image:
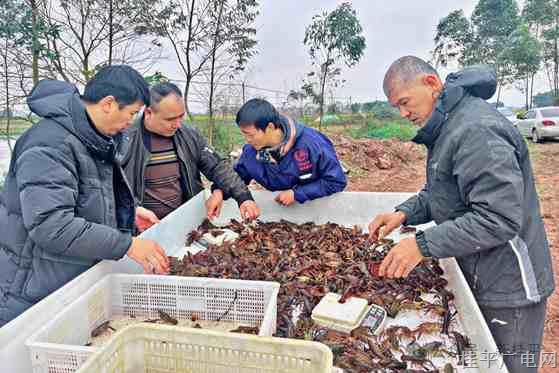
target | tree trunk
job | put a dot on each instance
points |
(322, 88)
(556, 61)
(86, 72)
(527, 93)
(532, 90)
(110, 32)
(212, 74)
(185, 97)
(7, 83)
(499, 86)
(35, 42)
(188, 63)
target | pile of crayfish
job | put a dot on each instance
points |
(309, 261)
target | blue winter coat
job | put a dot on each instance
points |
(311, 167)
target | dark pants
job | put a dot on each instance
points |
(518, 333)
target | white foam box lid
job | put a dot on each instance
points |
(343, 317)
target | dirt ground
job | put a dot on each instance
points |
(546, 168)
(393, 166)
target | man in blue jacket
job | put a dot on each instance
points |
(282, 155)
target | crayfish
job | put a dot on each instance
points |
(310, 260)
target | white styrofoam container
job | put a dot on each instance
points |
(346, 208)
(162, 349)
(349, 315)
(341, 317)
(59, 346)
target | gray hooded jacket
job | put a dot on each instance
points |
(480, 191)
(65, 202)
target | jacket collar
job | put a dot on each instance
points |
(448, 100)
(104, 147)
(291, 133)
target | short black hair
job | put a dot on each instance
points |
(404, 70)
(161, 90)
(259, 112)
(122, 82)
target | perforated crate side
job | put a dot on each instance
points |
(162, 349)
(53, 360)
(142, 296)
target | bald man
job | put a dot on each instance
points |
(480, 191)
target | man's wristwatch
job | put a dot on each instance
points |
(422, 243)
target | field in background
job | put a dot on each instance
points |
(228, 137)
(17, 127)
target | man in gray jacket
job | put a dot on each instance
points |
(480, 191)
(66, 203)
(165, 160)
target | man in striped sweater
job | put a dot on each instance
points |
(166, 157)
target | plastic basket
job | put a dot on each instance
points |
(164, 349)
(59, 347)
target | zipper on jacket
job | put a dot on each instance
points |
(186, 176)
(476, 275)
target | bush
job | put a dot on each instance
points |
(520, 112)
(385, 113)
(380, 110)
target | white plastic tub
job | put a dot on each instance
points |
(59, 347)
(163, 349)
(348, 209)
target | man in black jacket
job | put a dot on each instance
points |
(66, 203)
(480, 191)
(165, 159)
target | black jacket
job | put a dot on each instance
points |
(66, 203)
(195, 157)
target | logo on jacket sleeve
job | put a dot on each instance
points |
(301, 157)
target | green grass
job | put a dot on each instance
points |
(227, 136)
(378, 129)
(17, 127)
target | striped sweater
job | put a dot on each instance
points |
(163, 192)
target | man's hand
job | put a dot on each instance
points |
(383, 224)
(249, 210)
(149, 255)
(145, 218)
(286, 198)
(401, 259)
(214, 204)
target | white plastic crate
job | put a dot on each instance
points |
(163, 349)
(59, 346)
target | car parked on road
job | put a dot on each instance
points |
(507, 113)
(539, 123)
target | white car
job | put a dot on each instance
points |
(539, 123)
(507, 113)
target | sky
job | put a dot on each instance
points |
(391, 28)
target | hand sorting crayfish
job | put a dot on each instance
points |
(311, 260)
